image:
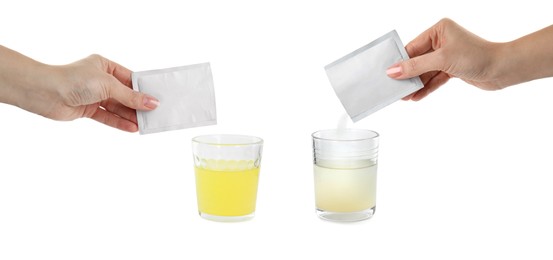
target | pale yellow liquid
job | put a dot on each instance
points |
(345, 190)
(227, 191)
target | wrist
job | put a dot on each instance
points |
(30, 86)
(501, 65)
(39, 89)
(525, 59)
(510, 65)
(20, 76)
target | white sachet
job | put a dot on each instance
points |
(185, 94)
(360, 81)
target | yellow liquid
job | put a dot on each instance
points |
(226, 192)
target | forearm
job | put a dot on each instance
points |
(22, 79)
(527, 58)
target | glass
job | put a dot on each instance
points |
(227, 174)
(344, 165)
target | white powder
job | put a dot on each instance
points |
(343, 122)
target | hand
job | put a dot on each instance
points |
(100, 89)
(447, 50)
(93, 87)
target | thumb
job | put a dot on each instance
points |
(131, 98)
(415, 66)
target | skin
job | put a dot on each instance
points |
(447, 50)
(98, 88)
(93, 87)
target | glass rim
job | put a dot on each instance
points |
(371, 134)
(217, 139)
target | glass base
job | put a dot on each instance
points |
(226, 218)
(346, 216)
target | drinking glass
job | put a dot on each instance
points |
(345, 165)
(227, 174)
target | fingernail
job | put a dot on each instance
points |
(150, 102)
(394, 71)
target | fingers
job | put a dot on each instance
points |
(422, 43)
(112, 120)
(426, 57)
(429, 40)
(130, 98)
(120, 87)
(408, 97)
(416, 66)
(119, 72)
(433, 83)
(425, 78)
(120, 110)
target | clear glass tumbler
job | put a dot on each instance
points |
(345, 165)
(227, 174)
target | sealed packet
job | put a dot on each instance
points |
(360, 80)
(186, 96)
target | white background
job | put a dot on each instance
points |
(463, 174)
